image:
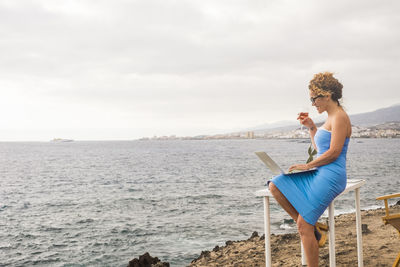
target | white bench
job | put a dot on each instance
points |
(351, 185)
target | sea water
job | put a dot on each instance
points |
(104, 203)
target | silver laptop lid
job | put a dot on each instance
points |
(275, 169)
(270, 163)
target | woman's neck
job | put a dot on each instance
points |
(332, 108)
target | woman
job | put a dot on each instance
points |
(305, 196)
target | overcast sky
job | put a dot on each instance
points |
(126, 69)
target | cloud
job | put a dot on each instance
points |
(189, 65)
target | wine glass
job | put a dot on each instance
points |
(303, 114)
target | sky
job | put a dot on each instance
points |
(125, 69)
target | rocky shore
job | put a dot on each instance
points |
(146, 260)
(381, 244)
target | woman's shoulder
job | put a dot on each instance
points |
(341, 115)
(342, 119)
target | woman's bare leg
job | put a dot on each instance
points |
(306, 230)
(309, 241)
(282, 200)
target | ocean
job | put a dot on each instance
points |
(105, 203)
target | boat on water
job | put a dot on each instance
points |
(61, 140)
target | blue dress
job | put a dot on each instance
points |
(310, 193)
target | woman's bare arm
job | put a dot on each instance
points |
(313, 131)
(309, 123)
(338, 137)
(339, 131)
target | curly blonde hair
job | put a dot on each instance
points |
(325, 84)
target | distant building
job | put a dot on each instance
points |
(249, 135)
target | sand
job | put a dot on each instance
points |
(381, 244)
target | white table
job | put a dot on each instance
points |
(351, 185)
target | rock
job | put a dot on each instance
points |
(364, 229)
(216, 249)
(228, 242)
(146, 260)
(287, 237)
(204, 253)
(288, 221)
(254, 234)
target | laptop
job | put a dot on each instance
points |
(275, 169)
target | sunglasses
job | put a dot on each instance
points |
(312, 99)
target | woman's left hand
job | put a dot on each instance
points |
(300, 167)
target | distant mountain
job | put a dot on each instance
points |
(379, 116)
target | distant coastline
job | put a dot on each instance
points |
(385, 130)
(381, 123)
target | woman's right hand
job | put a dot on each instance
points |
(305, 120)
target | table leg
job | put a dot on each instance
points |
(267, 232)
(332, 253)
(359, 230)
(303, 254)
